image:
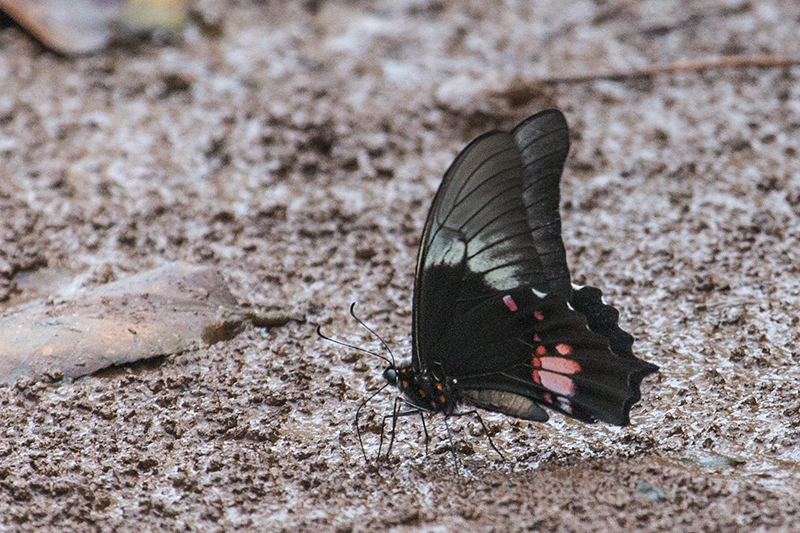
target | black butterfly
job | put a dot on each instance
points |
(496, 322)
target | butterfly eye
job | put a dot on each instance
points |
(390, 375)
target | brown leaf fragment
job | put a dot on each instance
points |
(159, 312)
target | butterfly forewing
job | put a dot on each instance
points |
(478, 217)
(543, 142)
(476, 225)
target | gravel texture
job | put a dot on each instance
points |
(295, 146)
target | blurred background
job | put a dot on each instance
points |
(295, 148)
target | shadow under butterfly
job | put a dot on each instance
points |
(497, 324)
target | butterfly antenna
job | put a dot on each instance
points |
(346, 345)
(383, 342)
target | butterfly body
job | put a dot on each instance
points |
(497, 323)
(424, 390)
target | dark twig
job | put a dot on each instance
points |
(681, 66)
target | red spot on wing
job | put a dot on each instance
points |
(510, 303)
(536, 363)
(564, 349)
(541, 350)
(560, 365)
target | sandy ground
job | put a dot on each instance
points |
(297, 151)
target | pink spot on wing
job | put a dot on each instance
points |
(560, 365)
(510, 303)
(536, 337)
(564, 349)
(548, 397)
(538, 315)
(557, 383)
(564, 404)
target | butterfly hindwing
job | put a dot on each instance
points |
(602, 319)
(542, 350)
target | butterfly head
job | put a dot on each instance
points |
(403, 377)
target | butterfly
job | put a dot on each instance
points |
(497, 323)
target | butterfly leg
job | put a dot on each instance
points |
(424, 431)
(452, 446)
(485, 430)
(358, 413)
(393, 416)
(397, 412)
(358, 432)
